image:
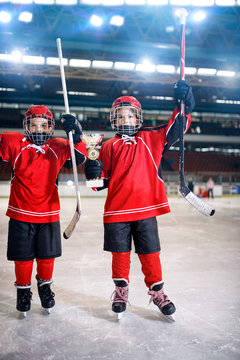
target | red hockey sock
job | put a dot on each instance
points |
(45, 268)
(23, 272)
(151, 268)
(121, 265)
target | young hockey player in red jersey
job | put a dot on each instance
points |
(34, 228)
(131, 163)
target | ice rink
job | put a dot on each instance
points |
(200, 259)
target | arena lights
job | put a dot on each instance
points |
(167, 69)
(44, 2)
(112, 2)
(24, 2)
(55, 61)
(102, 64)
(117, 20)
(91, 2)
(66, 2)
(226, 73)
(80, 63)
(146, 66)
(206, 71)
(10, 57)
(5, 17)
(124, 66)
(96, 20)
(157, 2)
(180, 2)
(25, 16)
(225, 2)
(203, 3)
(188, 70)
(33, 60)
(135, 2)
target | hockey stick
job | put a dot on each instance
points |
(68, 232)
(184, 190)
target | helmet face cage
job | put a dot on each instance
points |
(126, 116)
(38, 124)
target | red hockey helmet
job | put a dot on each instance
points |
(38, 124)
(126, 115)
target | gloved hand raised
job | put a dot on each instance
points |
(70, 123)
(183, 91)
(93, 169)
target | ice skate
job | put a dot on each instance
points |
(119, 297)
(45, 293)
(24, 297)
(161, 300)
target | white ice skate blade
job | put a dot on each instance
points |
(24, 314)
(119, 315)
(48, 311)
(170, 318)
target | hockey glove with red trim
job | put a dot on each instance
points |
(70, 123)
(183, 91)
(93, 169)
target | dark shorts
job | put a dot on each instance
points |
(118, 236)
(27, 241)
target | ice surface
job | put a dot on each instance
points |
(200, 258)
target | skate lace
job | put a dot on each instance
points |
(159, 298)
(46, 292)
(127, 139)
(26, 296)
(120, 294)
(38, 148)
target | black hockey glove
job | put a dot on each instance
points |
(70, 123)
(183, 91)
(93, 169)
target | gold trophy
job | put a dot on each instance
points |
(91, 141)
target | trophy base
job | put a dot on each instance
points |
(94, 183)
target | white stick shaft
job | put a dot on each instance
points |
(64, 87)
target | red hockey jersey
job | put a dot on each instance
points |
(34, 191)
(135, 189)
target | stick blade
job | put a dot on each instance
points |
(200, 205)
(69, 230)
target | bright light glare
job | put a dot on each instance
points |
(226, 73)
(117, 20)
(5, 17)
(69, 183)
(25, 16)
(35, 60)
(55, 61)
(96, 20)
(199, 16)
(9, 57)
(167, 69)
(102, 64)
(206, 71)
(17, 55)
(80, 63)
(146, 66)
(123, 65)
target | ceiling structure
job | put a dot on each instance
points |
(212, 43)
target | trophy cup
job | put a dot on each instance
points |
(91, 141)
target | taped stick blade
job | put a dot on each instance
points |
(200, 205)
(69, 230)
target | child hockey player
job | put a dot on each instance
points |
(131, 163)
(34, 229)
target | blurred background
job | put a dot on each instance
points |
(129, 47)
